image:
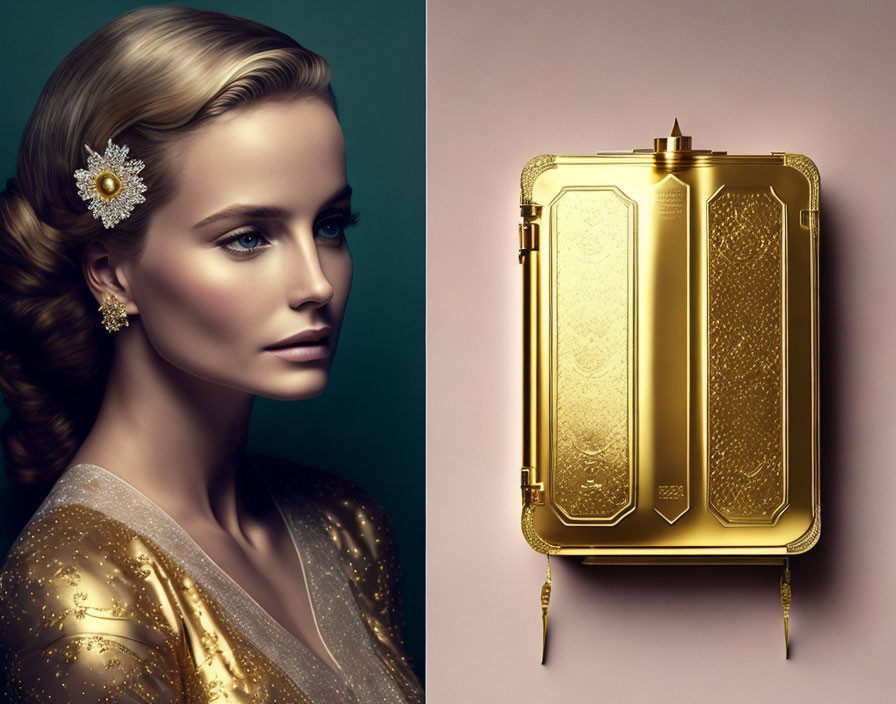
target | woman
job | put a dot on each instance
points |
(206, 216)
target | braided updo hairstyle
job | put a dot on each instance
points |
(144, 80)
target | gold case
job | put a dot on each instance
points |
(670, 336)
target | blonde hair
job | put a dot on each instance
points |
(144, 80)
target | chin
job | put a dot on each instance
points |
(305, 384)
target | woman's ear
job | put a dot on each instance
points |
(103, 276)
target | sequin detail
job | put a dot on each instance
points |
(105, 598)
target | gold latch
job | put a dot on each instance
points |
(809, 219)
(532, 493)
(528, 229)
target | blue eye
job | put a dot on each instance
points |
(330, 230)
(333, 227)
(247, 241)
(244, 243)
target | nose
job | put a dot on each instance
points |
(308, 282)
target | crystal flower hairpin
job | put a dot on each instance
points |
(111, 185)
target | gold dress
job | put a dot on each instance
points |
(105, 598)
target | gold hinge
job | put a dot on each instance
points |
(532, 493)
(528, 229)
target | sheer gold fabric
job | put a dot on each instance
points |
(104, 598)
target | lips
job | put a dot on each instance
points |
(306, 346)
(303, 339)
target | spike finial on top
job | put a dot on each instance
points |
(675, 142)
(676, 130)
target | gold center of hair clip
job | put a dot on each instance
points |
(108, 185)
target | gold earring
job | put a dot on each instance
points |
(115, 317)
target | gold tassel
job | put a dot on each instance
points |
(786, 597)
(545, 600)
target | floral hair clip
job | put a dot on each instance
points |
(110, 184)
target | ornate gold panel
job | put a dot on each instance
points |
(747, 436)
(593, 430)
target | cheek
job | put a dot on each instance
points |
(191, 308)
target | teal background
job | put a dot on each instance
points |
(369, 425)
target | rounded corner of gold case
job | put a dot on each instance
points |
(804, 165)
(810, 538)
(530, 532)
(536, 166)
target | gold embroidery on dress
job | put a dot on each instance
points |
(105, 610)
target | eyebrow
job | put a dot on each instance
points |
(259, 212)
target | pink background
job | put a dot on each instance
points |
(511, 80)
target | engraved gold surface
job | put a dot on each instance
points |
(664, 319)
(746, 254)
(531, 171)
(807, 168)
(679, 451)
(810, 538)
(531, 534)
(594, 474)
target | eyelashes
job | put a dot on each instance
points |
(244, 243)
(332, 227)
(329, 230)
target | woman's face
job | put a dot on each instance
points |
(245, 273)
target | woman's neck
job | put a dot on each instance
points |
(176, 438)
